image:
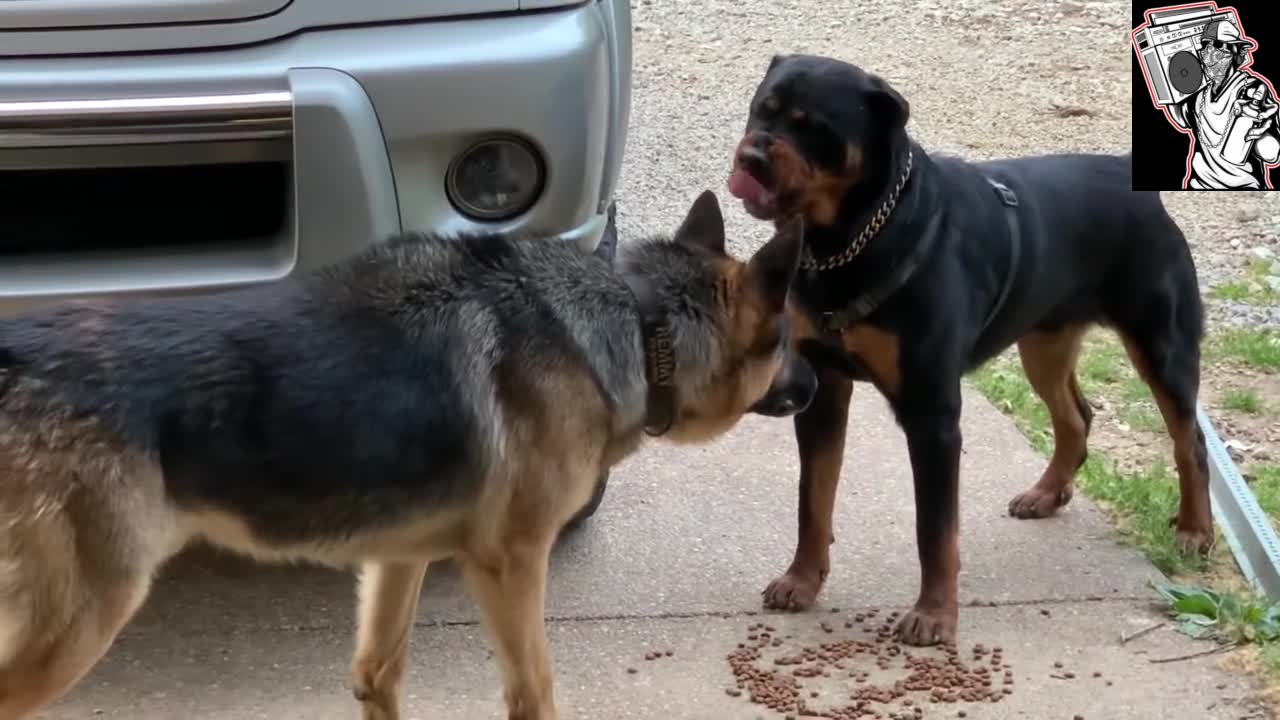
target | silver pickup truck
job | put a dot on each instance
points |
(177, 146)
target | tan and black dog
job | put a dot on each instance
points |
(430, 398)
(920, 268)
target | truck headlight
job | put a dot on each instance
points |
(495, 179)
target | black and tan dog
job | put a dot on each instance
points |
(430, 398)
(919, 269)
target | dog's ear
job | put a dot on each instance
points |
(888, 103)
(773, 62)
(703, 227)
(773, 267)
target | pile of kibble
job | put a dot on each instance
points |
(932, 676)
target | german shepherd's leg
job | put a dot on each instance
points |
(52, 660)
(820, 436)
(388, 603)
(1049, 361)
(929, 411)
(1169, 362)
(510, 589)
(81, 535)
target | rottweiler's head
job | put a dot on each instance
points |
(816, 128)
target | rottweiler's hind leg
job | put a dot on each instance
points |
(1049, 361)
(1170, 366)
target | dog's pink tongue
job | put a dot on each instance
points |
(744, 186)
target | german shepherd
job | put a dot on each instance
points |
(918, 269)
(430, 398)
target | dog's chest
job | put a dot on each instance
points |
(875, 351)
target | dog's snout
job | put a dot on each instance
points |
(792, 390)
(753, 152)
(784, 402)
(752, 158)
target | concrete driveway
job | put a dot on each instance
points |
(686, 539)
(675, 561)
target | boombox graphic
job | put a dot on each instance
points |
(1168, 45)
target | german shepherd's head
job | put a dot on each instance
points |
(728, 319)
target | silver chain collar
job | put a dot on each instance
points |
(877, 221)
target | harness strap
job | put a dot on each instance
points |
(1010, 200)
(866, 303)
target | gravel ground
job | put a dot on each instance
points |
(984, 80)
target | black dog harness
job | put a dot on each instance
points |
(1010, 201)
(863, 305)
(866, 303)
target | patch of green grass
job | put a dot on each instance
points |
(1142, 501)
(1271, 658)
(1133, 390)
(1242, 400)
(1235, 291)
(1255, 348)
(1253, 290)
(1007, 388)
(1105, 371)
(1141, 418)
(1265, 483)
(1102, 362)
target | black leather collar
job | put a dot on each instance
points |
(659, 361)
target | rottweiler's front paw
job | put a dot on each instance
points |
(929, 626)
(796, 590)
(1038, 502)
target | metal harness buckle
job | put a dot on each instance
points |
(1007, 196)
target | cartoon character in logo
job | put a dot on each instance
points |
(1232, 118)
(1228, 110)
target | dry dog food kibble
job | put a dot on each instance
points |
(774, 676)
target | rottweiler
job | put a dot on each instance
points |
(919, 268)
